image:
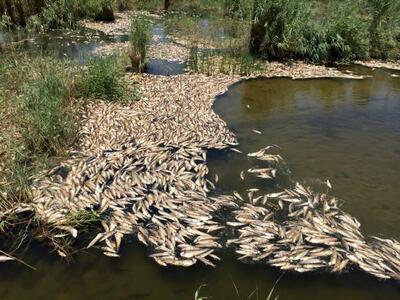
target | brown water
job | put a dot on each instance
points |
(346, 131)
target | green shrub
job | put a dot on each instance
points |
(104, 79)
(59, 13)
(322, 32)
(139, 39)
(231, 61)
(66, 13)
(384, 27)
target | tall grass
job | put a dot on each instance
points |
(57, 13)
(104, 79)
(40, 100)
(230, 61)
(46, 119)
(139, 39)
(38, 122)
(66, 13)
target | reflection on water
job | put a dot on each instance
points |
(347, 131)
(163, 66)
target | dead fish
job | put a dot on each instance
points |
(235, 150)
(237, 195)
(328, 184)
(4, 258)
(216, 178)
(257, 131)
(242, 175)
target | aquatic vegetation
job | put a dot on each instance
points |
(197, 294)
(139, 39)
(38, 103)
(214, 31)
(37, 127)
(255, 294)
(40, 109)
(229, 62)
(58, 13)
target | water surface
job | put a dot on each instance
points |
(347, 131)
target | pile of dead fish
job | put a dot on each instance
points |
(155, 190)
(300, 230)
(172, 109)
(143, 172)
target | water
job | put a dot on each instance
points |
(347, 131)
(163, 66)
(344, 130)
(77, 45)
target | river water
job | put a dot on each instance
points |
(347, 131)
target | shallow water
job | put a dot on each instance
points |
(81, 44)
(347, 131)
(77, 45)
(163, 66)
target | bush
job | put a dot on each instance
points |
(66, 13)
(140, 36)
(60, 13)
(384, 27)
(104, 79)
(322, 33)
